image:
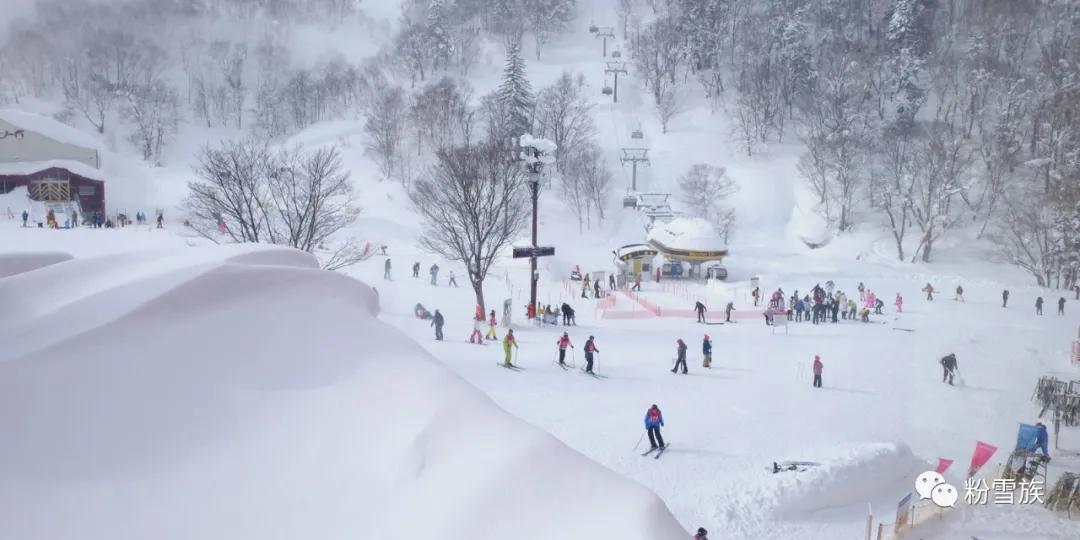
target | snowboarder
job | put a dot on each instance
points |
(948, 366)
(434, 271)
(1038, 305)
(701, 534)
(1061, 305)
(1005, 298)
(492, 322)
(563, 343)
(386, 270)
(25, 216)
(590, 349)
(817, 371)
(476, 336)
(508, 342)
(929, 290)
(727, 311)
(700, 309)
(416, 269)
(453, 280)
(959, 294)
(568, 315)
(756, 294)
(1042, 438)
(437, 321)
(899, 303)
(680, 359)
(706, 352)
(654, 420)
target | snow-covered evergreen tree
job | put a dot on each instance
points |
(515, 94)
(439, 35)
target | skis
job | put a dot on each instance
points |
(511, 367)
(785, 466)
(658, 454)
(714, 323)
(594, 374)
(563, 366)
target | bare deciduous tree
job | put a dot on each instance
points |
(473, 205)
(564, 115)
(154, 109)
(704, 189)
(385, 128)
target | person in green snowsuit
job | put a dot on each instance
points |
(508, 342)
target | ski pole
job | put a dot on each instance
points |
(641, 438)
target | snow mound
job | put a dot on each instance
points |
(806, 223)
(240, 392)
(17, 263)
(693, 234)
(852, 478)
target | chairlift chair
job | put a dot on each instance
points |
(637, 134)
(616, 54)
(593, 29)
(607, 91)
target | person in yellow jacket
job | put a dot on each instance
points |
(508, 342)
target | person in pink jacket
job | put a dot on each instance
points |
(871, 300)
(899, 303)
(817, 371)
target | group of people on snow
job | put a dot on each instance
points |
(96, 220)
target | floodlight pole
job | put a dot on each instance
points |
(530, 158)
(616, 68)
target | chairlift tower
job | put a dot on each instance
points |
(635, 156)
(605, 33)
(616, 68)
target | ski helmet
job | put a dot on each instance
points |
(590, 337)
(701, 530)
(706, 337)
(565, 334)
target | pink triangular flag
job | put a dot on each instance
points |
(943, 465)
(982, 454)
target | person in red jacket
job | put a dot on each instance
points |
(590, 349)
(702, 534)
(563, 343)
(817, 371)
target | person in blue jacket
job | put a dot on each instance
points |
(653, 421)
(799, 307)
(1042, 439)
(706, 352)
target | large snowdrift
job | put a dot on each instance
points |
(692, 234)
(243, 393)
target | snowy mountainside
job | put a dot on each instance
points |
(202, 394)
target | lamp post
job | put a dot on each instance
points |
(533, 153)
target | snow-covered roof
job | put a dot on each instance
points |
(49, 127)
(687, 237)
(23, 168)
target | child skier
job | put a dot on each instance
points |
(817, 371)
(654, 420)
(959, 294)
(491, 327)
(476, 336)
(899, 303)
(929, 290)
(508, 342)
(680, 358)
(862, 292)
(563, 343)
(706, 352)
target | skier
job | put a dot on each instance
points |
(835, 307)
(585, 287)
(1061, 305)
(434, 271)
(701, 534)
(596, 289)
(611, 282)
(386, 270)
(959, 294)
(416, 269)
(160, 219)
(508, 342)
(700, 309)
(1005, 298)
(799, 306)
(899, 303)
(878, 304)
(680, 359)
(852, 309)
(75, 219)
(817, 371)
(862, 292)
(637, 283)
(948, 366)
(871, 299)
(1042, 438)
(479, 313)
(476, 336)
(25, 216)
(563, 343)
(590, 349)
(727, 311)
(1038, 305)
(492, 322)
(929, 290)
(437, 321)
(654, 420)
(756, 293)
(706, 352)
(453, 280)
(566, 311)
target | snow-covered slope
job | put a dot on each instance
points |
(242, 393)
